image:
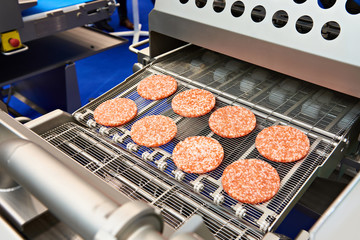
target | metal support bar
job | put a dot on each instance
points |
(10, 16)
(72, 88)
(133, 46)
(11, 92)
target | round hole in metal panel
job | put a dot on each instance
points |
(237, 9)
(353, 6)
(184, 1)
(326, 3)
(280, 19)
(219, 5)
(330, 30)
(299, 1)
(200, 3)
(304, 24)
(258, 13)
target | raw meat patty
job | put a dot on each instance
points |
(115, 112)
(251, 181)
(232, 121)
(282, 144)
(153, 131)
(157, 87)
(198, 154)
(193, 103)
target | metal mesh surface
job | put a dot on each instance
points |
(316, 108)
(133, 177)
(178, 194)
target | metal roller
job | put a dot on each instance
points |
(86, 210)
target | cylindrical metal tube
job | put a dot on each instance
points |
(68, 197)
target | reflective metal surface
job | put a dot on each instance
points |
(20, 206)
(179, 195)
(301, 48)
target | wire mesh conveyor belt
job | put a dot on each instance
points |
(133, 177)
(295, 101)
(179, 195)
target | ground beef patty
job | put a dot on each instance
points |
(251, 181)
(232, 121)
(153, 131)
(157, 87)
(193, 103)
(115, 112)
(282, 144)
(198, 154)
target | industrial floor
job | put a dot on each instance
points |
(97, 74)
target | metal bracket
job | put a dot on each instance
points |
(19, 50)
(193, 229)
(133, 47)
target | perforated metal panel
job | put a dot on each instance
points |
(258, 19)
(298, 38)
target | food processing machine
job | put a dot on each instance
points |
(293, 63)
(39, 44)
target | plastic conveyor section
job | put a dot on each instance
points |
(45, 6)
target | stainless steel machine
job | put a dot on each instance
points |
(293, 63)
(39, 44)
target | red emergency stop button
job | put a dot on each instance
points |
(14, 42)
